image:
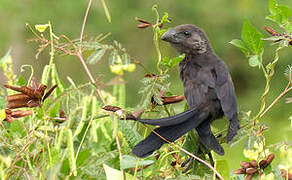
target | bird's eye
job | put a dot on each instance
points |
(187, 33)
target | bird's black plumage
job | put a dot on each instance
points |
(208, 89)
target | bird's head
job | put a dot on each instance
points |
(187, 39)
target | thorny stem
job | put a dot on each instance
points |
(190, 154)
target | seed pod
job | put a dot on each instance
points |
(143, 21)
(173, 163)
(19, 114)
(251, 170)
(16, 97)
(142, 26)
(270, 159)
(172, 99)
(239, 171)
(271, 31)
(263, 164)
(33, 93)
(254, 164)
(248, 177)
(245, 164)
(49, 92)
(42, 89)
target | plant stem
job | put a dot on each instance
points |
(79, 54)
(287, 89)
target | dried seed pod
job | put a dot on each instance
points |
(111, 108)
(251, 170)
(245, 164)
(248, 177)
(239, 171)
(49, 92)
(18, 103)
(172, 99)
(284, 174)
(42, 89)
(143, 21)
(16, 97)
(19, 114)
(272, 31)
(270, 158)
(263, 164)
(254, 164)
(142, 26)
(33, 93)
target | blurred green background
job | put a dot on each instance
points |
(221, 19)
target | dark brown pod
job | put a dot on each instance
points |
(49, 92)
(172, 99)
(270, 158)
(239, 171)
(19, 114)
(254, 164)
(251, 170)
(143, 21)
(248, 177)
(245, 164)
(271, 31)
(111, 108)
(16, 97)
(263, 164)
(142, 26)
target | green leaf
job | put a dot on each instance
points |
(240, 44)
(177, 59)
(21, 81)
(252, 37)
(130, 161)
(165, 19)
(17, 128)
(96, 56)
(162, 31)
(223, 168)
(279, 13)
(273, 6)
(114, 174)
(288, 27)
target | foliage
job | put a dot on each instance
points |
(71, 137)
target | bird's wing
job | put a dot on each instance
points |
(225, 91)
(197, 88)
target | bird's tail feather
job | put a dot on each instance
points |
(170, 133)
(172, 120)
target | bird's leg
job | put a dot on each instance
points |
(189, 161)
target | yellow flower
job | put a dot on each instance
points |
(130, 67)
(117, 69)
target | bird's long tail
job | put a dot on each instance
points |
(170, 133)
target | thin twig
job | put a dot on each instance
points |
(79, 54)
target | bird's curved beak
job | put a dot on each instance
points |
(169, 36)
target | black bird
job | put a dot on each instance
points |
(208, 89)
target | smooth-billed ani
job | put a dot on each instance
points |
(208, 89)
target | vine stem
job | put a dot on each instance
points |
(287, 89)
(192, 155)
